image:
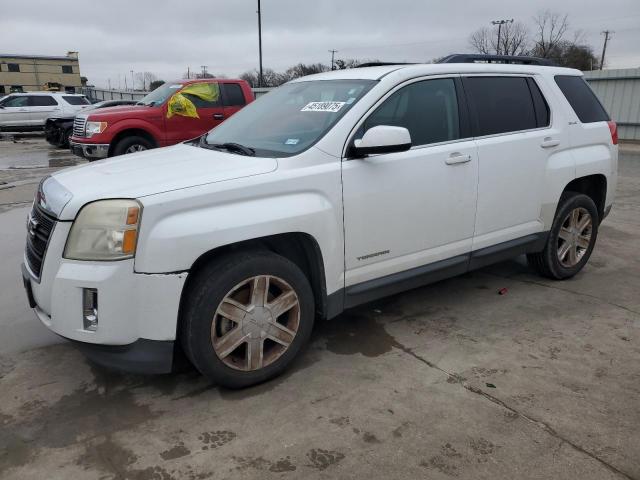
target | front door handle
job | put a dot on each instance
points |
(457, 157)
(218, 116)
(549, 142)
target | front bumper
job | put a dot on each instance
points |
(142, 356)
(137, 313)
(90, 151)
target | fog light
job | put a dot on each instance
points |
(90, 309)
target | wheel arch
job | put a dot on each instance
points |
(126, 132)
(300, 248)
(594, 186)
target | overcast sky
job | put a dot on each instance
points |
(165, 37)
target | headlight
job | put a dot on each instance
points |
(104, 230)
(92, 128)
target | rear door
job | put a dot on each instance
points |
(42, 107)
(512, 125)
(232, 97)
(15, 111)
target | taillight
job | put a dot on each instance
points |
(613, 128)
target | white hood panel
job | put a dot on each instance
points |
(151, 172)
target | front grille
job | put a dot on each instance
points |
(39, 228)
(78, 126)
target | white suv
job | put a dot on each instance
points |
(331, 191)
(29, 111)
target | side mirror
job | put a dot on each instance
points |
(382, 139)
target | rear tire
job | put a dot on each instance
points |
(246, 317)
(66, 139)
(131, 144)
(571, 239)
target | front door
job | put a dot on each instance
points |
(209, 114)
(409, 209)
(15, 112)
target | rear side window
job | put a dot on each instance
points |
(582, 99)
(233, 94)
(543, 116)
(500, 104)
(73, 100)
(42, 101)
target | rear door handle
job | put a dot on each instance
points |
(549, 142)
(218, 116)
(457, 157)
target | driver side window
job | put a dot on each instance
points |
(428, 109)
(16, 102)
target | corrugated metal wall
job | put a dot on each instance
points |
(619, 92)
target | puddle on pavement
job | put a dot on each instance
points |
(32, 154)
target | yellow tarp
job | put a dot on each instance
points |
(179, 104)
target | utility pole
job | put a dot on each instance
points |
(333, 52)
(109, 81)
(606, 34)
(133, 82)
(188, 72)
(204, 71)
(500, 23)
(260, 43)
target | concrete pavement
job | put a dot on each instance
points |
(447, 381)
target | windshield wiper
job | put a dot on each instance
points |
(229, 146)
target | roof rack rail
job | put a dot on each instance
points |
(381, 64)
(510, 59)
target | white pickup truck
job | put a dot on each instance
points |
(331, 191)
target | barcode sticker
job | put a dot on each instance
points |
(322, 107)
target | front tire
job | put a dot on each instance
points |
(246, 318)
(571, 239)
(131, 144)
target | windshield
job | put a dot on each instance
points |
(291, 118)
(160, 94)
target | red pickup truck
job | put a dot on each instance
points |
(175, 112)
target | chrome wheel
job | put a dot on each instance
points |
(574, 237)
(255, 323)
(136, 147)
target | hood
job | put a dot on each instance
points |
(146, 173)
(117, 112)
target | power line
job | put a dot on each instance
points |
(606, 34)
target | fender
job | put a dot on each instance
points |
(180, 226)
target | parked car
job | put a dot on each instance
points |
(331, 191)
(29, 111)
(173, 113)
(58, 130)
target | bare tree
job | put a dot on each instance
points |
(145, 79)
(514, 39)
(480, 40)
(550, 30)
(301, 69)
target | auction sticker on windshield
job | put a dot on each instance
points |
(322, 107)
